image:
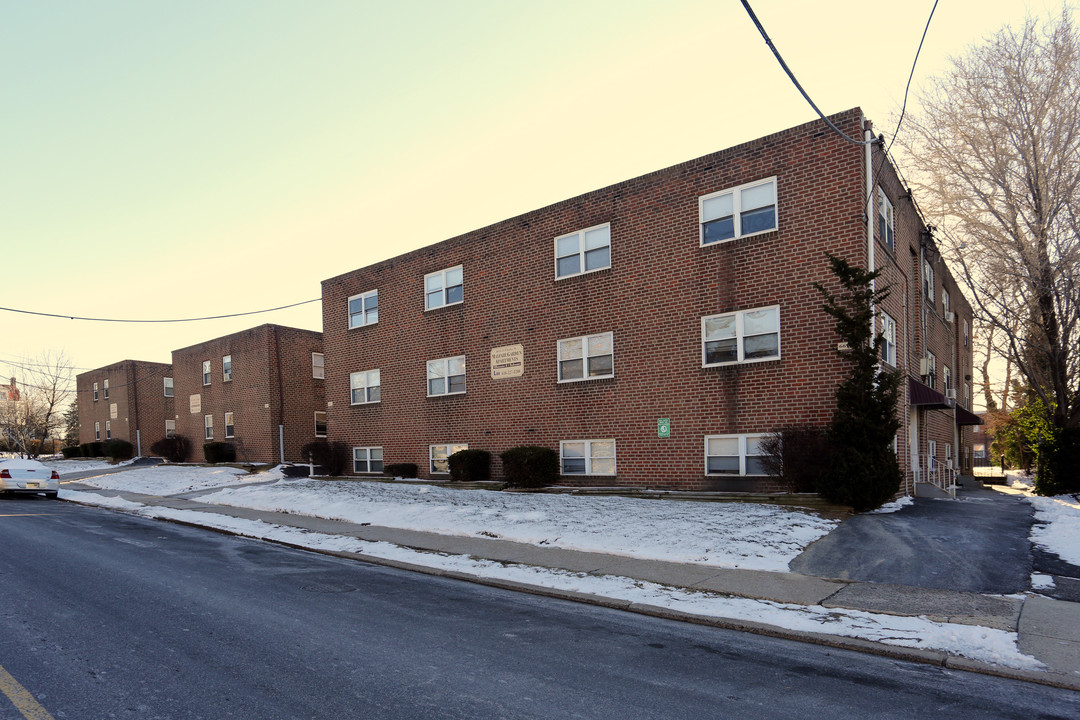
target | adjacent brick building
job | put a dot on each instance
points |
(252, 389)
(651, 331)
(129, 400)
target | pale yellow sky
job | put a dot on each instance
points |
(166, 160)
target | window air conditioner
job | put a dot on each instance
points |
(924, 366)
(950, 316)
(951, 393)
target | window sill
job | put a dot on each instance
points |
(370, 402)
(363, 325)
(739, 363)
(454, 394)
(584, 272)
(716, 243)
(447, 305)
(576, 381)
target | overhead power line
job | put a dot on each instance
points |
(173, 320)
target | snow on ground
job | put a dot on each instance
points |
(175, 479)
(1057, 519)
(974, 642)
(66, 467)
(735, 535)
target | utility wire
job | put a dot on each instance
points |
(175, 320)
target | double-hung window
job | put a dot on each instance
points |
(320, 423)
(97, 431)
(886, 220)
(888, 339)
(583, 251)
(928, 281)
(439, 456)
(108, 429)
(230, 425)
(168, 384)
(170, 428)
(365, 387)
(946, 379)
(737, 212)
(586, 358)
(946, 303)
(105, 387)
(367, 459)
(318, 366)
(364, 309)
(587, 457)
(741, 337)
(931, 367)
(445, 287)
(734, 455)
(208, 427)
(446, 376)
(95, 392)
(226, 368)
(206, 372)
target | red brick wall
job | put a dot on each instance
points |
(136, 388)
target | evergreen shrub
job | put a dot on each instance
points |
(401, 470)
(530, 466)
(174, 449)
(119, 449)
(470, 466)
(332, 457)
(219, 452)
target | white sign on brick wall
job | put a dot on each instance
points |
(112, 410)
(507, 362)
(195, 403)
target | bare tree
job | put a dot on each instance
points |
(996, 149)
(37, 416)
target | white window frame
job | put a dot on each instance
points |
(443, 365)
(230, 427)
(928, 281)
(966, 332)
(226, 368)
(367, 459)
(168, 387)
(366, 315)
(206, 372)
(443, 290)
(736, 209)
(170, 428)
(324, 427)
(967, 394)
(590, 457)
(318, 366)
(948, 455)
(931, 449)
(447, 449)
(933, 368)
(740, 337)
(105, 388)
(886, 220)
(362, 381)
(946, 302)
(97, 431)
(586, 357)
(108, 429)
(95, 392)
(208, 427)
(582, 252)
(946, 378)
(888, 334)
(743, 441)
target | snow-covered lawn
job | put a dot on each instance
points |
(66, 467)
(1057, 520)
(175, 479)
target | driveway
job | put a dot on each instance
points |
(976, 544)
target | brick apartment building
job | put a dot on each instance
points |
(252, 389)
(652, 331)
(129, 400)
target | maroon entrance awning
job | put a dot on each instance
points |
(963, 417)
(927, 397)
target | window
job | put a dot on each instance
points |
(979, 451)
(946, 303)
(928, 281)
(734, 455)
(95, 392)
(364, 309)
(108, 429)
(440, 456)
(226, 368)
(931, 365)
(320, 423)
(745, 210)
(446, 376)
(967, 395)
(946, 378)
(367, 459)
(746, 336)
(208, 427)
(886, 221)
(170, 428)
(230, 426)
(206, 372)
(318, 366)
(364, 387)
(965, 332)
(97, 431)
(105, 388)
(931, 450)
(168, 382)
(583, 251)
(587, 457)
(888, 336)
(587, 357)
(443, 288)
(948, 455)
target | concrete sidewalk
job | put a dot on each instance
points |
(1047, 629)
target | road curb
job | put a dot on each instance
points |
(937, 658)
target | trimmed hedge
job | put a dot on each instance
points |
(401, 470)
(470, 466)
(119, 450)
(71, 452)
(530, 466)
(92, 449)
(174, 449)
(332, 457)
(219, 452)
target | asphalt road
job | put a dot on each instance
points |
(105, 615)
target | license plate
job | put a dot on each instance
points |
(33, 485)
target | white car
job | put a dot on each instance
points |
(28, 477)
